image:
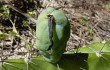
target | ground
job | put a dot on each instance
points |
(89, 21)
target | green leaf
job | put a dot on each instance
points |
(99, 63)
(96, 47)
(67, 62)
(96, 58)
(13, 33)
(99, 55)
(3, 35)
